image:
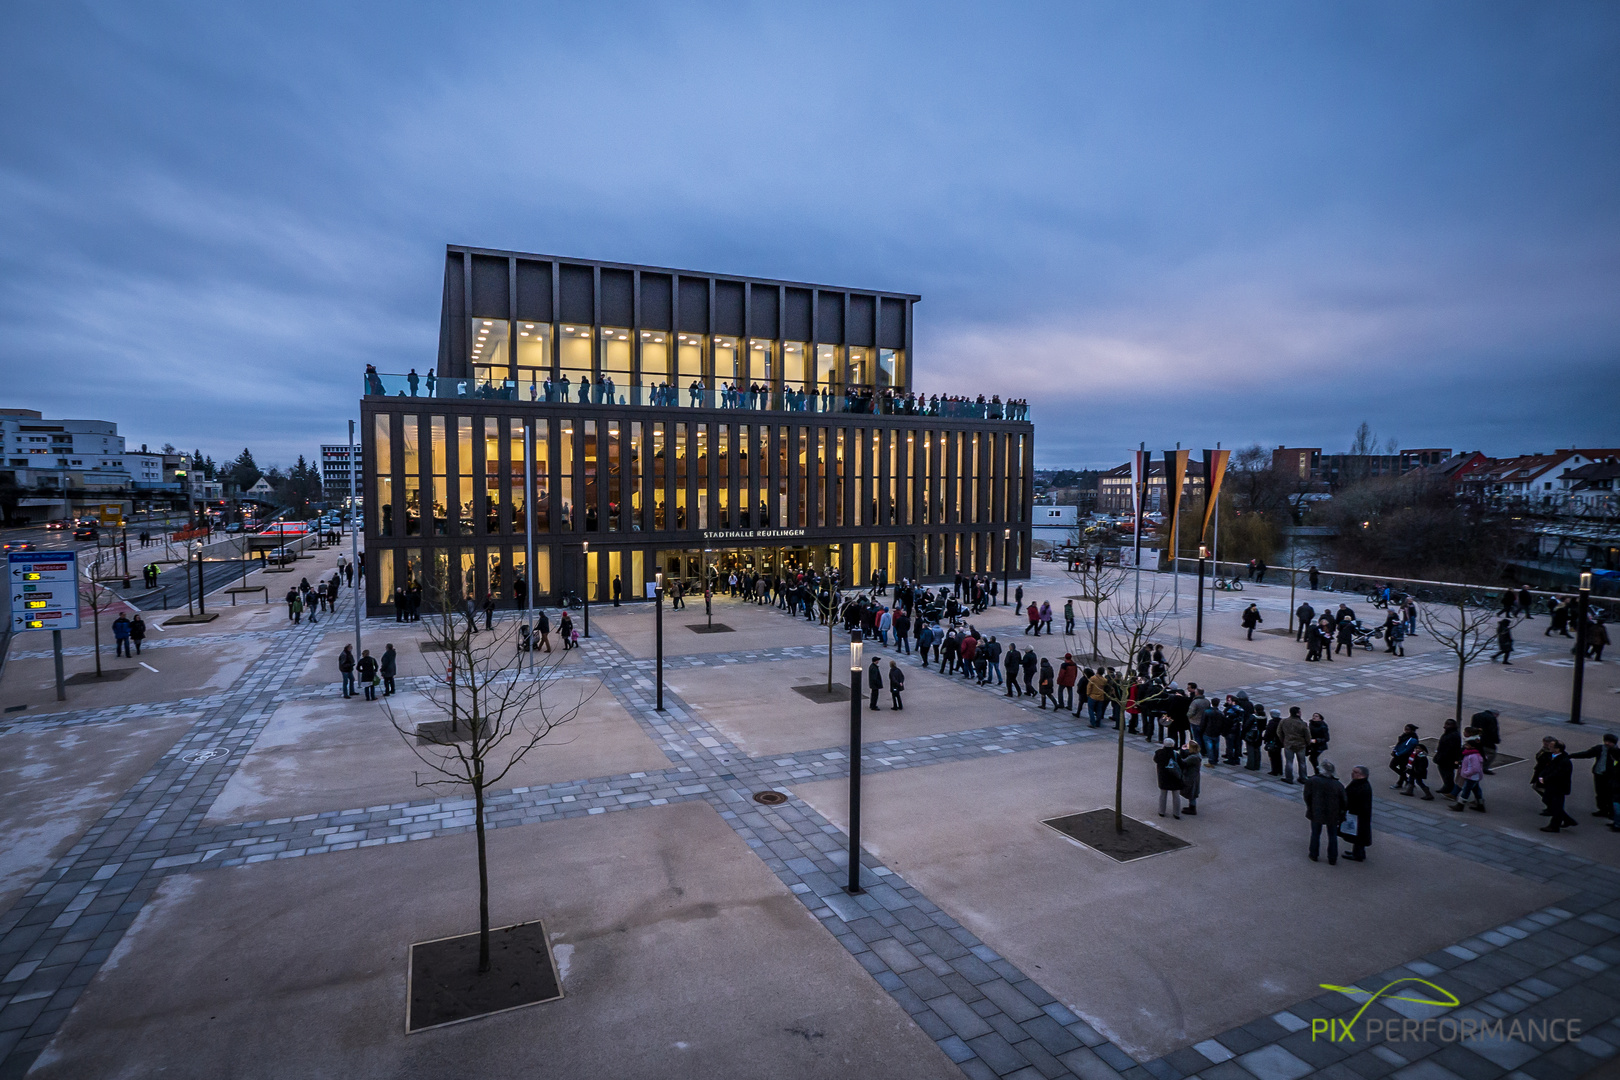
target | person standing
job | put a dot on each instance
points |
(1319, 740)
(1013, 664)
(388, 668)
(618, 588)
(1447, 756)
(901, 624)
(1068, 617)
(1315, 576)
(489, 612)
(368, 673)
(1067, 673)
(120, 628)
(897, 685)
(1167, 762)
(1325, 805)
(346, 669)
(1030, 665)
(1556, 775)
(137, 632)
(1306, 615)
(1251, 619)
(1273, 742)
(1605, 778)
(1192, 762)
(1018, 597)
(1047, 684)
(1357, 827)
(1490, 735)
(874, 680)
(1417, 771)
(1295, 736)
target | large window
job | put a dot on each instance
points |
(615, 364)
(383, 466)
(795, 374)
(487, 344)
(891, 368)
(492, 476)
(730, 365)
(413, 475)
(574, 352)
(533, 359)
(858, 367)
(826, 367)
(656, 386)
(464, 472)
(515, 484)
(689, 366)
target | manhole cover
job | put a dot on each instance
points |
(770, 798)
(197, 757)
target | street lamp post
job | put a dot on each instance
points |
(585, 554)
(854, 885)
(1580, 644)
(1198, 640)
(125, 543)
(1006, 540)
(658, 607)
(202, 608)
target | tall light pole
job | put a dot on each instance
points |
(854, 885)
(531, 579)
(202, 608)
(1580, 644)
(658, 607)
(1198, 640)
(354, 541)
(585, 555)
(1006, 542)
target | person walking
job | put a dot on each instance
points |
(1447, 756)
(901, 624)
(1030, 665)
(1167, 763)
(388, 668)
(1295, 735)
(1048, 680)
(874, 680)
(1046, 618)
(1357, 827)
(1490, 735)
(1470, 770)
(368, 673)
(1319, 740)
(1014, 662)
(897, 686)
(120, 628)
(1273, 742)
(1504, 640)
(1251, 619)
(1417, 771)
(1326, 805)
(1034, 614)
(1556, 775)
(565, 630)
(1068, 617)
(346, 669)
(1605, 778)
(137, 632)
(543, 625)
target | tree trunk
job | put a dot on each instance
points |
(95, 615)
(1119, 778)
(1462, 666)
(483, 875)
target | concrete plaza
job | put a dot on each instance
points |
(215, 866)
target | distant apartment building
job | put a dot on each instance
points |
(335, 470)
(1312, 465)
(78, 464)
(1114, 487)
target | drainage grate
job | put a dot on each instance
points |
(770, 798)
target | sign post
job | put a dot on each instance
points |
(44, 591)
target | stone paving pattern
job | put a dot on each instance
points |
(987, 1015)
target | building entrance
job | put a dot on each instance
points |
(689, 566)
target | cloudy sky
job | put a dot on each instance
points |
(1166, 221)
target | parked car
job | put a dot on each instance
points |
(234, 527)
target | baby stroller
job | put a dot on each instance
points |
(1362, 634)
(525, 641)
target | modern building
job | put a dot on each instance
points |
(1114, 487)
(645, 418)
(335, 471)
(1336, 470)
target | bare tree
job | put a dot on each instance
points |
(496, 713)
(1465, 631)
(1098, 581)
(1131, 634)
(98, 598)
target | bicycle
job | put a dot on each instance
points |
(1232, 584)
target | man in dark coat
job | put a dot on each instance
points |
(1325, 806)
(1556, 774)
(897, 685)
(874, 679)
(1031, 663)
(1358, 799)
(1447, 756)
(1306, 615)
(1605, 778)
(1490, 735)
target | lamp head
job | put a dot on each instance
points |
(1203, 552)
(1006, 534)
(1586, 579)
(855, 645)
(585, 545)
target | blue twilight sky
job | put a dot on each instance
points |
(1158, 221)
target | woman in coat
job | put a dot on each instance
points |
(1357, 827)
(1251, 619)
(1191, 771)
(1167, 763)
(1047, 681)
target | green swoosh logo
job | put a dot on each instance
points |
(1451, 1001)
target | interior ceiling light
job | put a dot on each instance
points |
(488, 323)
